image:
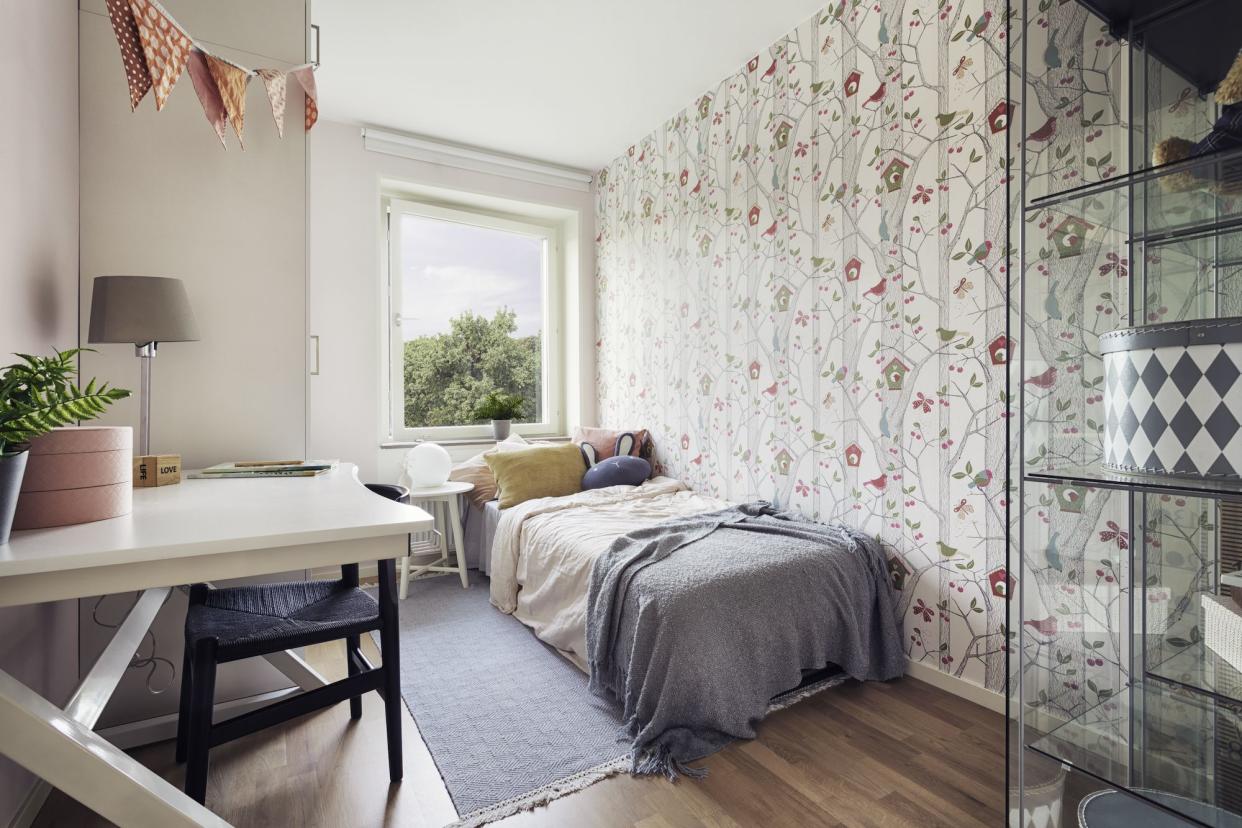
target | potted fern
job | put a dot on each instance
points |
(501, 409)
(37, 395)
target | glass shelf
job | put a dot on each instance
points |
(1223, 169)
(1097, 476)
(1199, 670)
(1141, 740)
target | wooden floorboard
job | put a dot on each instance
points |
(857, 756)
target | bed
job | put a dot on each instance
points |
(692, 612)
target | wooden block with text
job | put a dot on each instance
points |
(157, 470)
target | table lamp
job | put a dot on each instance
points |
(145, 311)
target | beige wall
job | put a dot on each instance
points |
(347, 413)
(38, 286)
(160, 197)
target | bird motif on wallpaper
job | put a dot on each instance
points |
(876, 96)
(771, 71)
(879, 484)
(1052, 55)
(1045, 132)
(1047, 627)
(1053, 553)
(885, 431)
(1045, 380)
(877, 290)
(980, 26)
(1052, 305)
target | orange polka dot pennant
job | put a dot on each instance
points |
(305, 75)
(165, 45)
(126, 30)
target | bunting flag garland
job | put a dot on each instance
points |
(165, 46)
(305, 75)
(126, 30)
(231, 81)
(208, 93)
(156, 52)
(275, 81)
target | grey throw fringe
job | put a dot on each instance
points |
(660, 762)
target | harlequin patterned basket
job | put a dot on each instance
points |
(1172, 399)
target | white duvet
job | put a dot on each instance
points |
(544, 549)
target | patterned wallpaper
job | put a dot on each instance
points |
(802, 292)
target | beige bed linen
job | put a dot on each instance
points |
(544, 549)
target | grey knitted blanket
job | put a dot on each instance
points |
(694, 624)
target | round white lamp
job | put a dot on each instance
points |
(428, 465)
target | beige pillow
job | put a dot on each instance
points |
(476, 471)
(541, 471)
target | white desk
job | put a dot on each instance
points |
(199, 530)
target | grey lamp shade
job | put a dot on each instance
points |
(141, 309)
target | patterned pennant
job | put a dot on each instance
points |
(208, 93)
(126, 30)
(231, 80)
(275, 81)
(164, 44)
(305, 75)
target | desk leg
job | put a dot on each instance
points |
(295, 669)
(55, 747)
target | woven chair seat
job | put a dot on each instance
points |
(256, 620)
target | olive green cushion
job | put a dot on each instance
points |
(551, 471)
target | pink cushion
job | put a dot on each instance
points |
(604, 440)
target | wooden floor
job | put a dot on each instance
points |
(895, 754)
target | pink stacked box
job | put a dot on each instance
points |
(77, 475)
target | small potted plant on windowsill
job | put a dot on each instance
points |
(501, 409)
(37, 395)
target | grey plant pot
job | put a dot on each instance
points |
(12, 469)
(500, 429)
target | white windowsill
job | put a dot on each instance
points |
(471, 441)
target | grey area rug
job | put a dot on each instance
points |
(509, 723)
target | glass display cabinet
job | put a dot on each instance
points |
(1126, 657)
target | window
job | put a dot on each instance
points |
(473, 309)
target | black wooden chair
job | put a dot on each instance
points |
(242, 622)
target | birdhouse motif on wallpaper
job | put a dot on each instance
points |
(1070, 236)
(705, 106)
(853, 456)
(782, 298)
(784, 461)
(754, 370)
(895, 374)
(753, 215)
(705, 244)
(999, 350)
(1001, 582)
(705, 384)
(899, 571)
(894, 174)
(853, 269)
(782, 134)
(648, 204)
(852, 82)
(998, 118)
(1071, 499)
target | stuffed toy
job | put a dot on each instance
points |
(1226, 134)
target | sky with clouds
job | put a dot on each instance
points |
(449, 268)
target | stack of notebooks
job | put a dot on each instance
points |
(252, 469)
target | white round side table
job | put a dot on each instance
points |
(441, 502)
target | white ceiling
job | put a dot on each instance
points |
(572, 82)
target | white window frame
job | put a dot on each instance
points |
(552, 336)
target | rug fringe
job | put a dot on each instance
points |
(794, 696)
(544, 795)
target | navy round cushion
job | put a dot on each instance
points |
(617, 471)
